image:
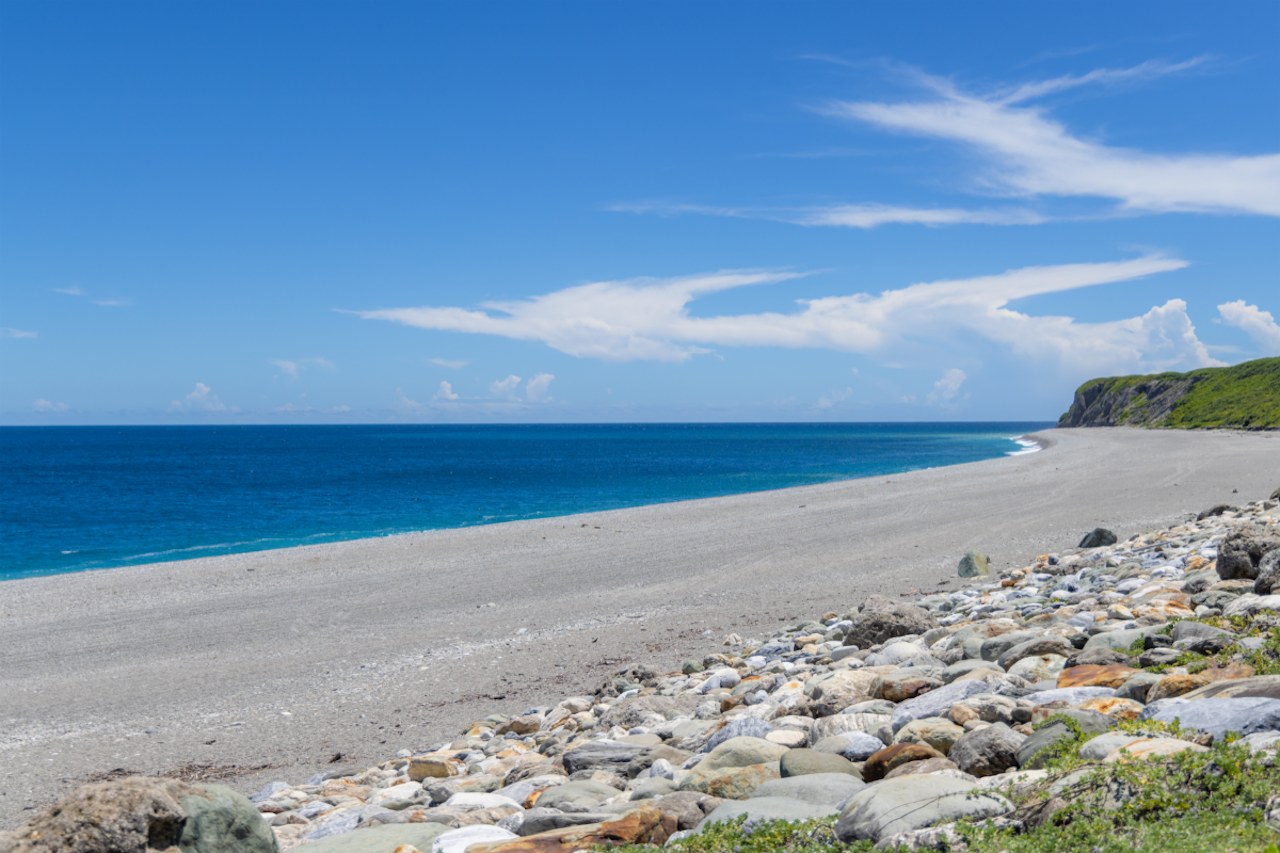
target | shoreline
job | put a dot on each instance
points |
(266, 665)
(272, 543)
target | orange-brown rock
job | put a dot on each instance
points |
(1113, 706)
(645, 825)
(1175, 685)
(1096, 675)
(884, 760)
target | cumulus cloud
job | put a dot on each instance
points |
(17, 334)
(451, 363)
(831, 400)
(406, 404)
(505, 387)
(1029, 154)
(649, 319)
(947, 386)
(536, 389)
(445, 393)
(43, 405)
(1256, 323)
(201, 399)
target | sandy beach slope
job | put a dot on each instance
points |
(276, 665)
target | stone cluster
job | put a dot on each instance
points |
(899, 717)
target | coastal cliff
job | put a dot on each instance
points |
(1243, 396)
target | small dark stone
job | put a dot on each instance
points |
(1097, 538)
(1217, 510)
(1156, 641)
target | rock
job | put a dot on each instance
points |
(1097, 538)
(936, 703)
(380, 839)
(689, 808)
(903, 684)
(803, 762)
(742, 727)
(645, 825)
(819, 789)
(742, 752)
(1219, 716)
(433, 767)
(1215, 511)
(140, 813)
(1038, 646)
(600, 754)
(891, 757)
(1251, 605)
(1268, 581)
(880, 619)
(581, 793)
(974, 564)
(730, 783)
(1241, 552)
(1148, 747)
(937, 732)
(987, 751)
(769, 808)
(1109, 675)
(855, 746)
(646, 710)
(914, 802)
(1035, 750)
(1067, 695)
(1265, 686)
(460, 840)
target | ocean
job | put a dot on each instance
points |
(80, 498)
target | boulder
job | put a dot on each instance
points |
(601, 755)
(1242, 551)
(819, 789)
(689, 808)
(1268, 582)
(581, 793)
(880, 619)
(892, 757)
(769, 808)
(1218, 716)
(914, 802)
(974, 564)
(987, 751)
(1097, 538)
(804, 762)
(140, 813)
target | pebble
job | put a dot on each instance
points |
(947, 695)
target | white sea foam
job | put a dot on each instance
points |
(1028, 446)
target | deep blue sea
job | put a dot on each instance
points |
(77, 498)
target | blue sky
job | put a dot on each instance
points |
(375, 211)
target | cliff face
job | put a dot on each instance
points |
(1244, 396)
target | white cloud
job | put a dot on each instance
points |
(1256, 323)
(947, 387)
(445, 393)
(293, 367)
(18, 334)
(113, 302)
(648, 319)
(406, 404)
(43, 405)
(451, 363)
(201, 399)
(1148, 70)
(505, 387)
(1030, 154)
(829, 401)
(69, 291)
(536, 388)
(862, 216)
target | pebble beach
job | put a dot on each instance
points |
(633, 651)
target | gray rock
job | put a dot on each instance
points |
(855, 746)
(914, 802)
(1032, 754)
(1268, 582)
(601, 754)
(1097, 538)
(584, 792)
(935, 703)
(1068, 695)
(1241, 552)
(804, 762)
(741, 727)
(1251, 605)
(1035, 647)
(1137, 686)
(380, 839)
(543, 819)
(819, 789)
(880, 619)
(987, 751)
(1218, 716)
(991, 649)
(458, 840)
(768, 808)
(974, 564)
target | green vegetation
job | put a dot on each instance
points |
(1244, 396)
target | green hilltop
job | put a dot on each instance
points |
(1243, 396)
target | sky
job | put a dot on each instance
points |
(360, 212)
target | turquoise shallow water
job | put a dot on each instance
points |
(78, 498)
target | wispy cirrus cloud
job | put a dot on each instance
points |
(18, 334)
(1028, 154)
(1253, 321)
(649, 319)
(1025, 154)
